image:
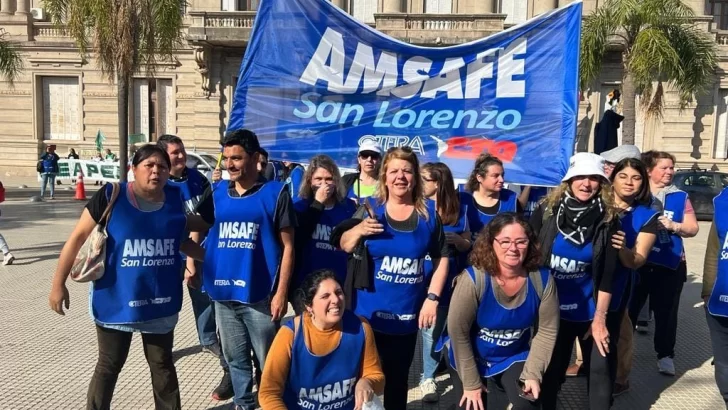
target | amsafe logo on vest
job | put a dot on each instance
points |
(148, 252)
(331, 396)
(238, 235)
(567, 268)
(501, 337)
(321, 235)
(401, 270)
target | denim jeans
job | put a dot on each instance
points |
(431, 358)
(242, 328)
(45, 179)
(204, 316)
(718, 327)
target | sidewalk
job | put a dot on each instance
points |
(46, 360)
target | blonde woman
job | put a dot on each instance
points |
(578, 229)
(399, 234)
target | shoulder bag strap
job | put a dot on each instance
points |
(114, 194)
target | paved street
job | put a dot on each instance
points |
(46, 360)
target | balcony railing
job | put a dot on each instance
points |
(439, 28)
(721, 37)
(50, 32)
(221, 26)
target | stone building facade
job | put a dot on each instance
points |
(60, 100)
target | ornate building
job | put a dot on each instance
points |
(60, 100)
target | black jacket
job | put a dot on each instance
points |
(358, 274)
(605, 259)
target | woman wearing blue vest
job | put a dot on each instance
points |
(327, 349)
(715, 290)
(489, 197)
(639, 224)
(322, 206)
(402, 231)
(578, 228)
(293, 173)
(665, 273)
(141, 289)
(457, 214)
(496, 303)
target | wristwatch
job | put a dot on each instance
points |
(433, 297)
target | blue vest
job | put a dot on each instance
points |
(534, 197)
(668, 247)
(243, 254)
(294, 181)
(571, 268)
(47, 160)
(319, 253)
(501, 337)
(192, 189)
(392, 304)
(143, 279)
(632, 223)
(457, 260)
(718, 301)
(278, 170)
(325, 382)
(508, 200)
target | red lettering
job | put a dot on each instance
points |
(471, 148)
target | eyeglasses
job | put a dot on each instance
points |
(506, 243)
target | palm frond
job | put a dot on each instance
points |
(595, 32)
(656, 102)
(11, 62)
(653, 55)
(698, 60)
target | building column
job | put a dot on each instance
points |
(392, 6)
(7, 6)
(23, 7)
(542, 6)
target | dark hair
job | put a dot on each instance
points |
(650, 158)
(482, 164)
(447, 198)
(245, 138)
(167, 139)
(483, 255)
(263, 153)
(150, 150)
(643, 196)
(305, 294)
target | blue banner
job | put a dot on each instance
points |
(315, 80)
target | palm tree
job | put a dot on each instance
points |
(125, 36)
(10, 61)
(659, 43)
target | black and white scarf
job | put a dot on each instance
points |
(577, 221)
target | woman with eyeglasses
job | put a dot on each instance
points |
(496, 302)
(322, 206)
(489, 197)
(578, 231)
(401, 232)
(363, 184)
(457, 215)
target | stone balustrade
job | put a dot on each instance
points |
(50, 32)
(229, 28)
(439, 29)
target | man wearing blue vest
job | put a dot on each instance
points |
(248, 260)
(192, 185)
(48, 168)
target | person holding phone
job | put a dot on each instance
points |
(496, 302)
(322, 206)
(404, 230)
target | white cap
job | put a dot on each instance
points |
(584, 164)
(370, 145)
(621, 152)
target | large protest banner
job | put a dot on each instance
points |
(68, 170)
(314, 80)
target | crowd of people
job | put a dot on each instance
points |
(500, 286)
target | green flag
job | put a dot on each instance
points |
(100, 138)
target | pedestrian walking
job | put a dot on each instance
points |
(489, 196)
(48, 168)
(363, 183)
(400, 232)
(251, 222)
(665, 273)
(457, 214)
(715, 289)
(192, 184)
(578, 229)
(321, 206)
(496, 302)
(147, 214)
(326, 348)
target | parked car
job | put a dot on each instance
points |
(202, 161)
(702, 186)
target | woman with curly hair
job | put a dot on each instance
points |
(579, 232)
(495, 303)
